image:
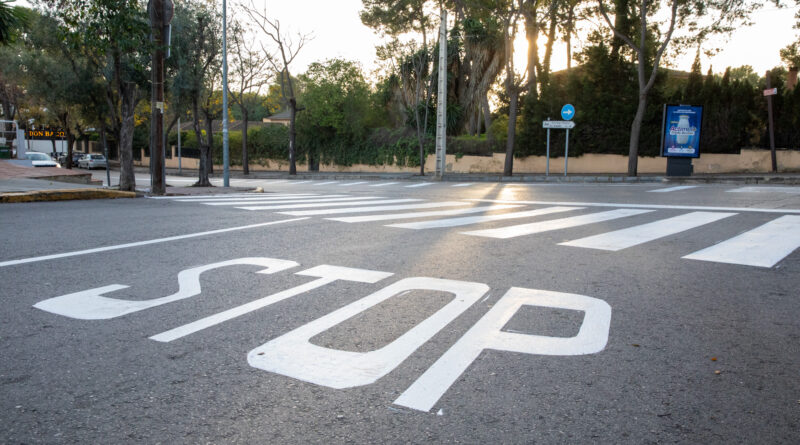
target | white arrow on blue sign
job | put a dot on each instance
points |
(567, 112)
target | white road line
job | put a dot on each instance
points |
(377, 208)
(633, 236)
(641, 206)
(763, 246)
(334, 204)
(291, 201)
(556, 224)
(326, 183)
(409, 215)
(260, 197)
(467, 184)
(300, 182)
(202, 196)
(421, 184)
(383, 184)
(296, 201)
(454, 222)
(353, 183)
(791, 190)
(673, 189)
(141, 243)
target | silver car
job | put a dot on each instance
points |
(92, 161)
(41, 160)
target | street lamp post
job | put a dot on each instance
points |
(225, 155)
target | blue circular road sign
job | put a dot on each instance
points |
(567, 112)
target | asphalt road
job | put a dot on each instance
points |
(360, 312)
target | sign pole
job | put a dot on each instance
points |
(771, 127)
(566, 152)
(226, 181)
(179, 147)
(547, 166)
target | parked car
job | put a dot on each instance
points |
(92, 161)
(76, 156)
(41, 160)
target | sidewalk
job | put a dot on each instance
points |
(20, 183)
(792, 178)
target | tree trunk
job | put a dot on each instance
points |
(532, 34)
(636, 127)
(568, 39)
(202, 171)
(513, 95)
(127, 180)
(209, 144)
(292, 136)
(70, 142)
(487, 118)
(245, 165)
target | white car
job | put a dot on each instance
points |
(41, 160)
(92, 161)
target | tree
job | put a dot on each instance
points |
(412, 59)
(55, 75)
(195, 52)
(695, 19)
(12, 18)
(249, 73)
(281, 59)
(337, 103)
(114, 34)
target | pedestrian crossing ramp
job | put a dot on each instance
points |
(762, 246)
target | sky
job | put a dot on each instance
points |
(338, 32)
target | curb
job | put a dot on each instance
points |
(63, 195)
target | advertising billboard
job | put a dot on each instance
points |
(681, 131)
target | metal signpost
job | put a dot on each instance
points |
(567, 113)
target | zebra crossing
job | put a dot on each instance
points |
(762, 246)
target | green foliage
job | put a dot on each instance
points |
(337, 111)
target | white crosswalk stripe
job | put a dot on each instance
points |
(454, 222)
(292, 201)
(556, 224)
(766, 189)
(327, 182)
(255, 197)
(673, 189)
(378, 208)
(463, 185)
(622, 239)
(383, 184)
(421, 184)
(763, 246)
(410, 215)
(327, 204)
(353, 183)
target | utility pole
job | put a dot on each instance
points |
(441, 103)
(771, 125)
(160, 12)
(226, 180)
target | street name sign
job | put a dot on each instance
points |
(558, 124)
(770, 92)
